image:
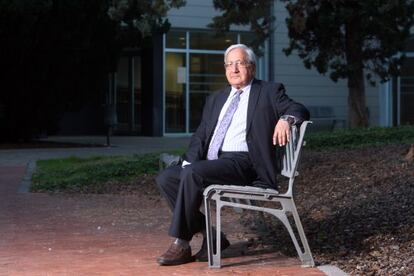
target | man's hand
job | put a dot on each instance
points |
(281, 135)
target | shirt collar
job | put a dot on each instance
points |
(245, 89)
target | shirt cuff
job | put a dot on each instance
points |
(185, 163)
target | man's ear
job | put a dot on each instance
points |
(252, 70)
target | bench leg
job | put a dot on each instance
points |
(217, 255)
(209, 230)
(305, 255)
(214, 259)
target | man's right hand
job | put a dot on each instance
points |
(281, 135)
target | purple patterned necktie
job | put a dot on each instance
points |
(218, 139)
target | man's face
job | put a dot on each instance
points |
(239, 73)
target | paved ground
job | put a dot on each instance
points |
(120, 145)
(55, 234)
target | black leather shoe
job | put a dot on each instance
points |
(176, 255)
(202, 254)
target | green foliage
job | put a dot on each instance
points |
(342, 36)
(351, 39)
(256, 13)
(138, 19)
(73, 173)
(360, 137)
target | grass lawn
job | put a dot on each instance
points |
(90, 174)
(359, 138)
(74, 173)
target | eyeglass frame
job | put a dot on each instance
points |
(237, 63)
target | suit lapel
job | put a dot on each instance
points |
(253, 98)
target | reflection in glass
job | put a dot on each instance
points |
(211, 41)
(175, 87)
(176, 39)
(206, 76)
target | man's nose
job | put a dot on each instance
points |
(235, 67)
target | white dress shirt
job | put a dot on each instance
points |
(235, 139)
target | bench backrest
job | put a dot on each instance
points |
(291, 153)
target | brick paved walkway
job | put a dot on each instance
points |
(42, 234)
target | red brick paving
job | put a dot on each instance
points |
(55, 234)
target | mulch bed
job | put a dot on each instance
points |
(357, 208)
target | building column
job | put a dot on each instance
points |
(385, 104)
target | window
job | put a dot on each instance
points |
(176, 39)
(175, 93)
(206, 76)
(193, 62)
(210, 41)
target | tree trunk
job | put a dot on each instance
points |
(357, 111)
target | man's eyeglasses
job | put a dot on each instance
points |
(237, 63)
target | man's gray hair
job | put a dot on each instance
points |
(251, 57)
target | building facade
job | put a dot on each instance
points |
(160, 90)
(193, 69)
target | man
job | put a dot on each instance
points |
(234, 144)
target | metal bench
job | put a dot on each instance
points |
(284, 204)
(166, 160)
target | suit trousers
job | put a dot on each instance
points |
(183, 188)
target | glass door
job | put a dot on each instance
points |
(206, 76)
(122, 95)
(175, 92)
(128, 95)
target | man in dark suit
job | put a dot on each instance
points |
(234, 144)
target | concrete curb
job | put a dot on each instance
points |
(26, 182)
(331, 270)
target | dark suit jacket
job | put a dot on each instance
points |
(267, 102)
